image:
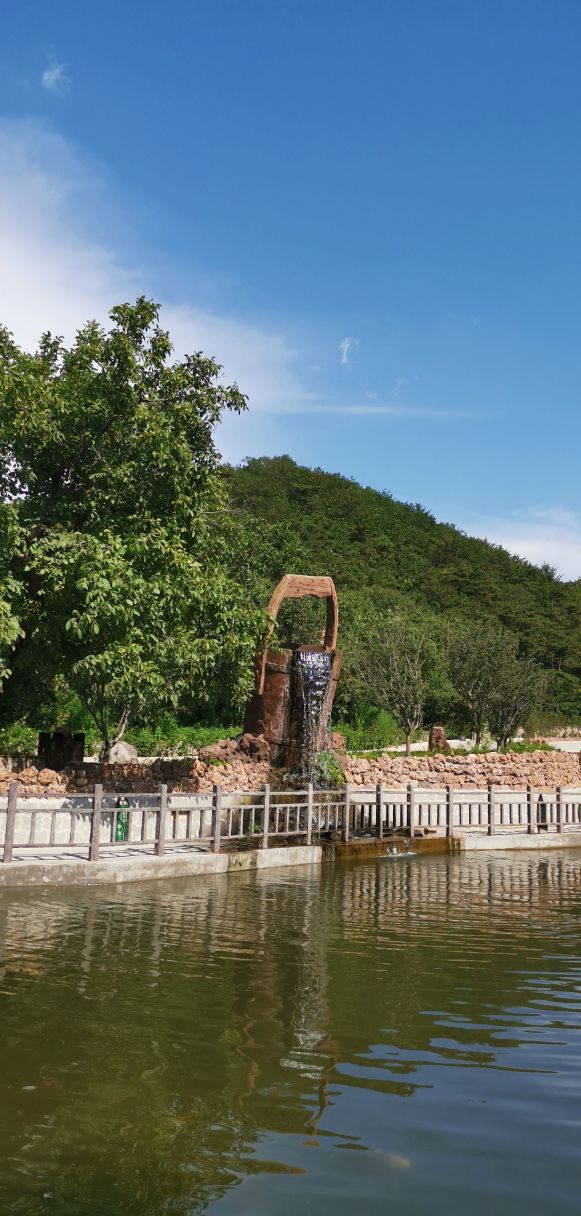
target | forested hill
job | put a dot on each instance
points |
(368, 541)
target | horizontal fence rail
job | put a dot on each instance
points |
(268, 818)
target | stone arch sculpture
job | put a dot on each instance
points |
(295, 587)
(285, 681)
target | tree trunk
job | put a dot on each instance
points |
(408, 744)
(109, 743)
(106, 746)
(477, 737)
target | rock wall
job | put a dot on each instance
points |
(235, 770)
(543, 770)
(181, 776)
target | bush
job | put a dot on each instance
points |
(164, 738)
(168, 737)
(18, 739)
(328, 773)
(372, 729)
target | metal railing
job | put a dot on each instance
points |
(270, 818)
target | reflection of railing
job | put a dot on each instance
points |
(270, 818)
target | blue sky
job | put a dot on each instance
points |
(369, 212)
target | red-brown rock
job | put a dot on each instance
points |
(437, 741)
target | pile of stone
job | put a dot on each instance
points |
(543, 770)
(32, 782)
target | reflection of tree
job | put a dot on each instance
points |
(165, 1029)
(455, 940)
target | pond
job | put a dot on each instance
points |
(387, 1036)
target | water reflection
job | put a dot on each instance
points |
(220, 1039)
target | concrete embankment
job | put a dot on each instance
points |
(74, 870)
(70, 868)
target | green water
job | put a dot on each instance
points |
(387, 1037)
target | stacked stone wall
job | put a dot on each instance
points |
(183, 775)
(543, 770)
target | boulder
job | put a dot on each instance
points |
(437, 741)
(219, 751)
(255, 746)
(28, 776)
(46, 776)
(122, 753)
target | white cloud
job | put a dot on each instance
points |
(58, 271)
(55, 80)
(551, 536)
(55, 275)
(346, 345)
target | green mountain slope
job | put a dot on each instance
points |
(373, 544)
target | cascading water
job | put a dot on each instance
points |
(313, 671)
(290, 708)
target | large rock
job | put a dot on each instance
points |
(437, 741)
(28, 776)
(47, 776)
(219, 751)
(254, 745)
(122, 753)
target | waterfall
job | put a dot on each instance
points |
(313, 669)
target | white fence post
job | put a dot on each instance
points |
(161, 822)
(10, 820)
(531, 811)
(96, 823)
(449, 811)
(347, 811)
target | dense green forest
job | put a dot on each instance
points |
(390, 554)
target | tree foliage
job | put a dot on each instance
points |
(519, 688)
(477, 655)
(397, 663)
(122, 563)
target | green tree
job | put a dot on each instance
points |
(10, 592)
(477, 654)
(398, 664)
(107, 456)
(520, 685)
(496, 687)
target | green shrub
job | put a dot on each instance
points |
(328, 773)
(372, 729)
(529, 745)
(18, 739)
(167, 736)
